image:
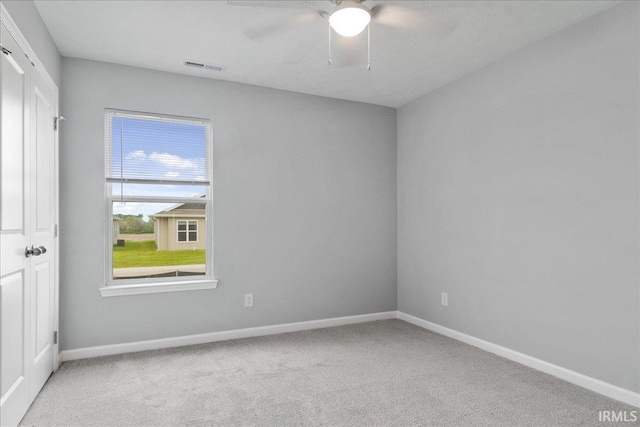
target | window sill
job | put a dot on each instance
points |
(154, 288)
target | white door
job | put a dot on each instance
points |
(26, 218)
(42, 232)
(15, 273)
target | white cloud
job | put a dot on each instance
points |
(171, 161)
(172, 174)
(138, 154)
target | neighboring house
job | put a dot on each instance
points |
(180, 227)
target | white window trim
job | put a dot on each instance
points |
(121, 287)
(186, 231)
(154, 288)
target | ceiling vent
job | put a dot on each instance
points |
(204, 66)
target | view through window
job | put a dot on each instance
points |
(158, 177)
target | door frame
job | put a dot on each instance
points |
(15, 32)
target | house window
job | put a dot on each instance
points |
(187, 231)
(158, 203)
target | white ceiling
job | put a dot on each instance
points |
(441, 41)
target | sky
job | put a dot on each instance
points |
(151, 149)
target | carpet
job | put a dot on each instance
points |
(384, 373)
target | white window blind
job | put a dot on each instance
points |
(155, 149)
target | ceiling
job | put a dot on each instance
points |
(437, 42)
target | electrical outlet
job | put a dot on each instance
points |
(444, 299)
(248, 300)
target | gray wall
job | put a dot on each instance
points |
(518, 195)
(305, 206)
(28, 20)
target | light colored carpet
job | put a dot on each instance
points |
(385, 373)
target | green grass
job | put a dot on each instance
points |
(144, 254)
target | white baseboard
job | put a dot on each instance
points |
(598, 386)
(614, 392)
(131, 347)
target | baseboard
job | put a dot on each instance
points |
(598, 386)
(131, 347)
(614, 392)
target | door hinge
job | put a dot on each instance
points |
(55, 230)
(5, 50)
(57, 120)
(55, 337)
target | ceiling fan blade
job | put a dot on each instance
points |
(349, 52)
(299, 52)
(404, 19)
(261, 31)
(276, 4)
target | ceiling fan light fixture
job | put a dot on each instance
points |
(350, 18)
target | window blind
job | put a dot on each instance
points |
(155, 149)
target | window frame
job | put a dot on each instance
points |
(120, 287)
(187, 230)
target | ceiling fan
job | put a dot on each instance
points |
(348, 18)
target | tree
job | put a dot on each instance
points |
(134, 224)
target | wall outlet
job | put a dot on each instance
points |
(444, 299)
(248, 300)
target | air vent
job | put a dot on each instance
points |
(204, 66)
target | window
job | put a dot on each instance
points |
(187, 231)
(158, 203)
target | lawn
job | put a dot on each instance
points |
(144, 254)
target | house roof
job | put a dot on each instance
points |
(174, 213)
(183, 209)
